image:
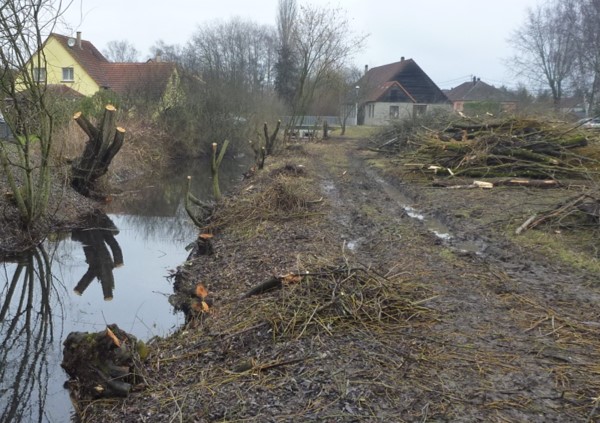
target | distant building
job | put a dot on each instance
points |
(73, 66)
(396, 91)
(574, 106)
(5, 133)
(478, 97)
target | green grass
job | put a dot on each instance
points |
(32, 138)
(356, 131)
(574, 249)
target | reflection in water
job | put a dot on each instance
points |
(96, 240)
(175, 229)
(163, 197)
(26, 331)
(36, 310)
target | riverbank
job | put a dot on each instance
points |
(334, 296)
(67, 209)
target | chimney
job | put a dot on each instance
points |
(366, 69)
(474, 80)
(79, 39)
(158, 57)
(402, 59)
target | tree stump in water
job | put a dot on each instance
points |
(102, 364)
(102, 146)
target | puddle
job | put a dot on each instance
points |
(435, 226)
(351, 245)
(411, 212)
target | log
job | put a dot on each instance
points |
(108, 127)
(270, 139)
(533, 183)
(85, 125)
(525, 224)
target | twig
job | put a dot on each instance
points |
(525, 224)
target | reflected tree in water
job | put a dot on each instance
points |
(26, 334)
(102, 254)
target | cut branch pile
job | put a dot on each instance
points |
(581, 210)
(290, 196)
(509, 148)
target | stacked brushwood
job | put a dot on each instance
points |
(500, 148)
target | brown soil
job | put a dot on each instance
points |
(380, 320)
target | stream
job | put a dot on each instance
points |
(114, 271)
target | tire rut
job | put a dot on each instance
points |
(508, 325)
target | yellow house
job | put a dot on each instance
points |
(76, 66)
(70, 62)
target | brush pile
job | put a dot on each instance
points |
(499, 148)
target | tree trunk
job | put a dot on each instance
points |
(102, 146)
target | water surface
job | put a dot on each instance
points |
(113, 271)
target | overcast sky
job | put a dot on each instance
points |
(451, 40)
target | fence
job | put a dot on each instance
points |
(311, 121)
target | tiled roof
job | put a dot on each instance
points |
(122, 78)
(63, 90)
(88, 56)
(128, 78)
(477, 90)
(410, 78)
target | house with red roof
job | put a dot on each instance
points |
(397, 91)
(75, 66)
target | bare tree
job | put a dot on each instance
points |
(587, 32)
(227, 68)
(24, 24)
(121, 51)
(237, 53)
(168, 52)
(348, 94)
(286, 65)
(323, 43)
(546, 46)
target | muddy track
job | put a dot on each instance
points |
(511, 337)
(425, 317)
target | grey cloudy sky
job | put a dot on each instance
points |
(450, 39)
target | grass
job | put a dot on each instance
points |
(577, 248)
(360, 131)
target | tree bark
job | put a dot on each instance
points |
(102, 146)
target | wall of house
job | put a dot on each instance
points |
(57, 58)
(378, 114)
(494, 107)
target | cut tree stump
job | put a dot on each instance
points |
(102, 146)
(103, 364)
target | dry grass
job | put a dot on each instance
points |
(456, 339)
(261, 348)
(286, 194)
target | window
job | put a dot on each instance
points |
(419, 109)
(371, 110)
(39, 74)
(68, 74)
(394, 112)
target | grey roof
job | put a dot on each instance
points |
(478, 90)
(405, 79)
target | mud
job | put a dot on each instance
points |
(494, 329)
